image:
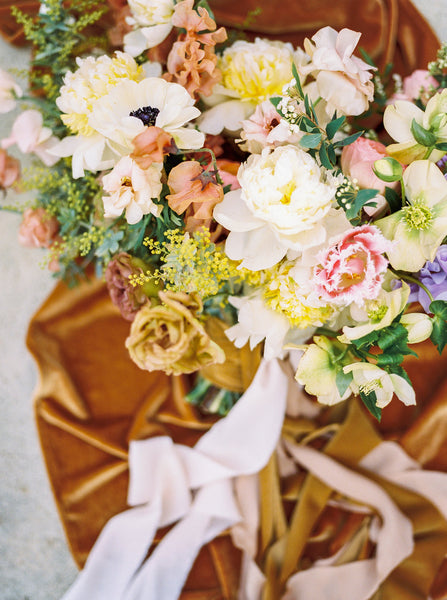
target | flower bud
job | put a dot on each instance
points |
(388, 169)
(418, 325)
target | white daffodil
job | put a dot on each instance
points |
(318, 368)
(152, 23)
(251, 73)
(376, 314)
(419, 227)
(369, 378)
(285, 203)
(398, 119)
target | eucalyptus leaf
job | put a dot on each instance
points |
(311, 141)
(334, 126)
(348, 140)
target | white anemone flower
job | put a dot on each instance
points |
(369, 378)
(285, 203)
(123, 113)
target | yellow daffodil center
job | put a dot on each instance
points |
(418, 215)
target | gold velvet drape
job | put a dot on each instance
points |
(91, 399)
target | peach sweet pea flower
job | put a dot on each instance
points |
(131, 190)
(228, 172)
(38, 229)
(9, 170)
(352, 269)
(30, 135)
(151, 146)
(190, 184)
(265, 129)
(192, 60)
(343, 80)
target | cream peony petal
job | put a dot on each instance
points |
(397, 120)
(234, 214)
(258, 249)
(141, 39)
(228, 115)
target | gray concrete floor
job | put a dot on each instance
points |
(34, 561)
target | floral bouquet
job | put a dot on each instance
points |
(237, 196)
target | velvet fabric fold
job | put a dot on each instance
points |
(92, 400)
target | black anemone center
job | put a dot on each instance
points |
(147, 115)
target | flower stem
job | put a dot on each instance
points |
(415, 280)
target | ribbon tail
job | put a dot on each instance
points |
(117, 554)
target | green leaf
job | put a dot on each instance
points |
(349, 140)
(441, 146)
(439, 308)
(363, 196)
(421, 135)
(334, 126)
(388, 169)
(297, 80)
(393, 199)
(370, 400)
(311, 141)
(275, 101)
(343, 381)
(324, 157)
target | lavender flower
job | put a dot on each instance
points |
(434, 276)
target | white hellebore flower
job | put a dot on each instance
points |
(9, 91)
(251, 73)
(419, 228)
(284, 204)
(132, 189)
(418, 325)
(398, 119)
(369, 378)
(342, 80)
(30, 135)
(151, 20)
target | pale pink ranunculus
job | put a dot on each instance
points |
(38, 228)
(419, 85)
(352, 268)
(9, 91)
(343, 80)
(9, 169)
(30, 135)
(357, 161)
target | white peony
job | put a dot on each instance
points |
(285, 203)
(251, 73)
(131, 190)
(151, 20)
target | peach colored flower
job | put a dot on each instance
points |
(169, 337)
(192, 60)
(352, 269)
(228, 172)
(357, 161)
(38, 229)
(131, 190)
(191, 185)
(9, 169)
(127, 298)
(265, 129)
(151, 146)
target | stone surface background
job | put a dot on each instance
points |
(35, 563)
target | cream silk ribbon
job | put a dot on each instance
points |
(192, 487)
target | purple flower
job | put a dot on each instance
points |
(434, 276)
